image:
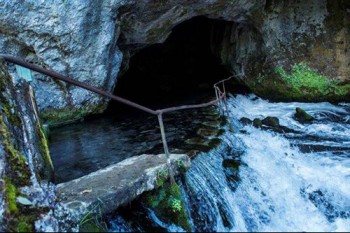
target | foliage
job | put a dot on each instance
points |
(175, 204)
(303, 80)
(11, 193)
(93, 220)
(168, 205)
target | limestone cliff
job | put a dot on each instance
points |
(25, 163)
(93, 40)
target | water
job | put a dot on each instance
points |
(296, 181)
(98, 143)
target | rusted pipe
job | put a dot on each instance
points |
(53, 74)
(58, 76)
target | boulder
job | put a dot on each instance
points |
(246, 121)
(302, 116)
(271, 121)
(257, 123)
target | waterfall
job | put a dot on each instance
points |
(297, 181)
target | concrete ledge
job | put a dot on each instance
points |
(118, 184)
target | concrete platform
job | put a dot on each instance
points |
(116, 185)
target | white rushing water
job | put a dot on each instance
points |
(281, 186)
(260, 180)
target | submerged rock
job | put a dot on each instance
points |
(246, 121)
(271, 121)
(302, 116)
(257, 123)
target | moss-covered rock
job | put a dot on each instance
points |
(257, 123)
(271, 121)
(302, 116)
(59, 117)
(168, 205)
(300, 83)
(246, 121)
(23, 144)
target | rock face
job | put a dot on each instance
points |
(24, 158)
(75, 38)
(93, 40)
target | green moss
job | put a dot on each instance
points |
(168, 205)
(17, 162)
(303, 116)
(14, 118)
(24, 224)
(162, 177)
(48, 170)
(55, 117)
(18, 220)
(303, 81)
(11, 193)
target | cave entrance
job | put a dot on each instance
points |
(178, 71)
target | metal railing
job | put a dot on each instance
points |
(220, 96)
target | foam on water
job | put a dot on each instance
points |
(279, 187)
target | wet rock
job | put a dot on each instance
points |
(302, 116)
(230, 163)
(213, 117)
(231, 170)
(209, 132)
(257, 123)
(271, 121)
(25, 164)
(197, 141)
(213, 124)
(118, 184)
(246, 121)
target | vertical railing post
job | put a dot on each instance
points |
(225, 99)
(166, 149)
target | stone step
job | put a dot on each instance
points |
(118, 184)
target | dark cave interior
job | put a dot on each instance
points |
(182, 70)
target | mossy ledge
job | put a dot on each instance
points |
(57, 117)
(167, 202)
(300, 83)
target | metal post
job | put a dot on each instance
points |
(165, 146)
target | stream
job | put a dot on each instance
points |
(261, 180)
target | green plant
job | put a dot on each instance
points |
(11, 193)
(175, 204)
(302, 79)
(162, 176)
(260, 78)
(168, 205)
(93, 220)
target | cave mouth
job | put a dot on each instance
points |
(182, 70)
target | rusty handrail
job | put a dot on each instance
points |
(220, 96)
(53, 74)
